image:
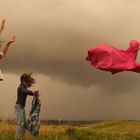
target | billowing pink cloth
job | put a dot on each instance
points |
(109, 58)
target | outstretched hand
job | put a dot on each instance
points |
(13, 39)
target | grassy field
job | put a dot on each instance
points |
(104, 130)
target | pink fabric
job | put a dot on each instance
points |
(109, 58)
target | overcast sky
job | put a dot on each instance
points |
(52, 41)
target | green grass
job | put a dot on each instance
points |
(105, 130)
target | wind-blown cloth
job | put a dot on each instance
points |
(108, 58)
(33, 123)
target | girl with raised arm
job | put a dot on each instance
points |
(5, 49)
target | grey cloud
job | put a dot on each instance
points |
(54, 41)
(53, 37)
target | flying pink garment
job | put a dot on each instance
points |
(109, 58)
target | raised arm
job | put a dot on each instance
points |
(4, 51)
(2, 26)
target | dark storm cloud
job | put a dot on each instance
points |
(54, 41)
(53, 37)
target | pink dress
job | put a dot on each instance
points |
(109, 58)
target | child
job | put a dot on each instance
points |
(5, 50)
(26, 81)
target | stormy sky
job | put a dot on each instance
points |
(52, 41)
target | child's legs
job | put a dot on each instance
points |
(20, 130)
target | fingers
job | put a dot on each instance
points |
(36, 91)
(13, 38)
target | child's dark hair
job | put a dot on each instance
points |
(26, 78)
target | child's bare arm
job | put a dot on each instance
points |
(8, 45)
(2, 25)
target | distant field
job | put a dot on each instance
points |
(104, 130)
